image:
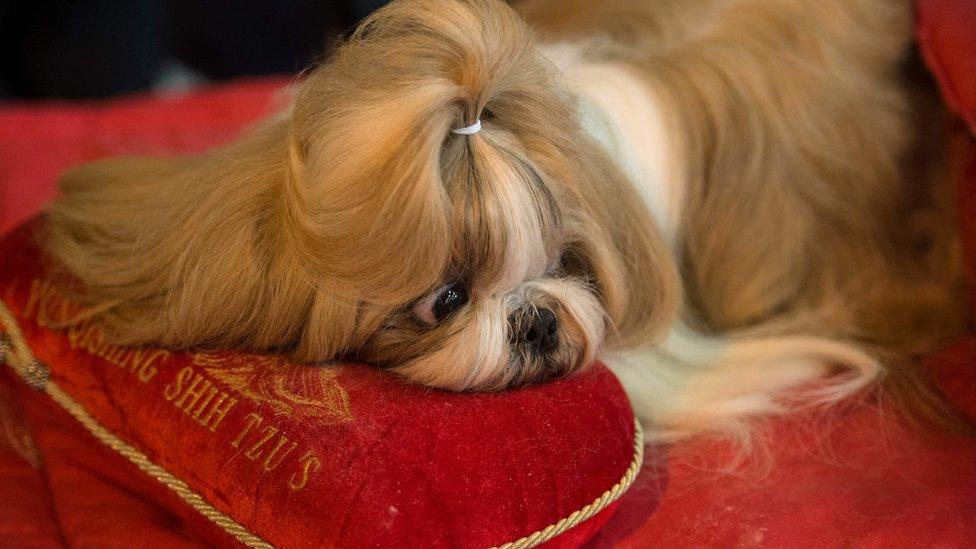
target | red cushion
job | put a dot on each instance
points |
(303, 456)
(364, 458)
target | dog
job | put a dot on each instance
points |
(735, 203)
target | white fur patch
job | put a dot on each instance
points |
(692, 383)
(622, 113)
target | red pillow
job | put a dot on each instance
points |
(259, 450)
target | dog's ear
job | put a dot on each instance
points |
(186, 250)
(618, 247)
(365, 205)
(203, 250)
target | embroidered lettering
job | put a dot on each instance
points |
(146, 369)
(216, 413)
(252, 421)
(254, 452)
(173, 389)
(194, 391)
(269, 462)
(310, 465)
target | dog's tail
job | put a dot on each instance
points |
(695, 383)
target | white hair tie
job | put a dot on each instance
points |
(468, 130)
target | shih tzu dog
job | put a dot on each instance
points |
(734, 201)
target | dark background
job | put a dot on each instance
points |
(100, 48)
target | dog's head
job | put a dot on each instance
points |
(466, 261)
(374, 232)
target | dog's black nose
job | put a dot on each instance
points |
(542, 332)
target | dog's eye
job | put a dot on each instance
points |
(449, 300)
(441, 304)
(572, 263)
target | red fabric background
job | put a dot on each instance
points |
(860, 478)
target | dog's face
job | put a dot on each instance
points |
(359, 226)
(465, 262)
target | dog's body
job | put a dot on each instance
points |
(769, 141)
(732, 171)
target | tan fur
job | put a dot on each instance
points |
(796, 126)
(316, 233)
(816, 199)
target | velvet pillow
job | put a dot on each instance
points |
(262, 451)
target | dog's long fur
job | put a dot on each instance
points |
(793, 124)
(801, 239)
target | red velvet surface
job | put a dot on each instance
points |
(26, 514)
(339, 455)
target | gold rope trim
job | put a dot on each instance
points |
(582, 515)
(21, 361)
